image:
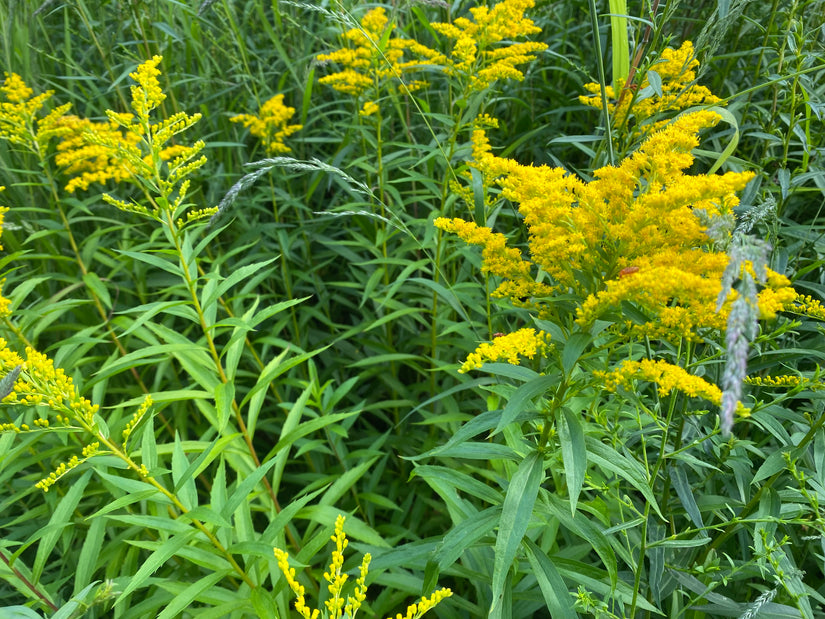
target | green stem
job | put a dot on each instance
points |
(594, 25)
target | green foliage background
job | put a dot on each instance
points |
(341, 319)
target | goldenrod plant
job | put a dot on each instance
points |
(336, 606)
(549, 334)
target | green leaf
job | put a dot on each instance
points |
(184, 598)
(224, 396)
(94, 284)
(184, 488)
(573, 348)
(308, 427)
(516, 513)
(243, 490)
(620, 43)
(155, 261)
(465, 534)
(574, 454)
(611, 461)
(62, 517)
(462, 482)
(19, 612)
(166, 551)
(344, 482)
(87, 561)
(556, 596)
(679, 479)
(556, 510)
(148, 445)
(522, 396)
(264, 604)
(237, 276)
(730, 119)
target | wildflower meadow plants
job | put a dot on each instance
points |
(541, 344)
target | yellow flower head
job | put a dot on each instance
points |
(367, 61)
(270, 124)
(524, 342)
(479, 56)
(676, 69)
(146, 95)
(628, 235)
(19, 123)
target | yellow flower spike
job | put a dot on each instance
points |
(667, 376)
(15, 89)
(369, 108)
(18, 115)
(146, 95)
(64, 467)
(416, 610)
(92, 152)
(297, 588)
(335, 605)
(334, 576)
(139, 414)
(360, 593)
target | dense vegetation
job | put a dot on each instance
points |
(512, 310)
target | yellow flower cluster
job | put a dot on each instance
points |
(372, 55)
(126, 148)
(91, 152)
(336, 607)
(630, 234)
(64, 467)
(476, 55)
(270, 124)
(808, 306)
(297, 588)
(786, 381)
(482, 51)
(136, 417)
(414, 611)
(5, 304)
(147, 94)
(40, 383)
(19, 122)
(524, 342)
(667, 376)
(677, 72)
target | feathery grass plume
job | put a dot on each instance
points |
(748, 260)
(483, 49)
(373, 56)
(270, 124)
(668, 86)
(336, 606)
(263, 166)
(753, 609)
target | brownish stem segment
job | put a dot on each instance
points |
(29, 585)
